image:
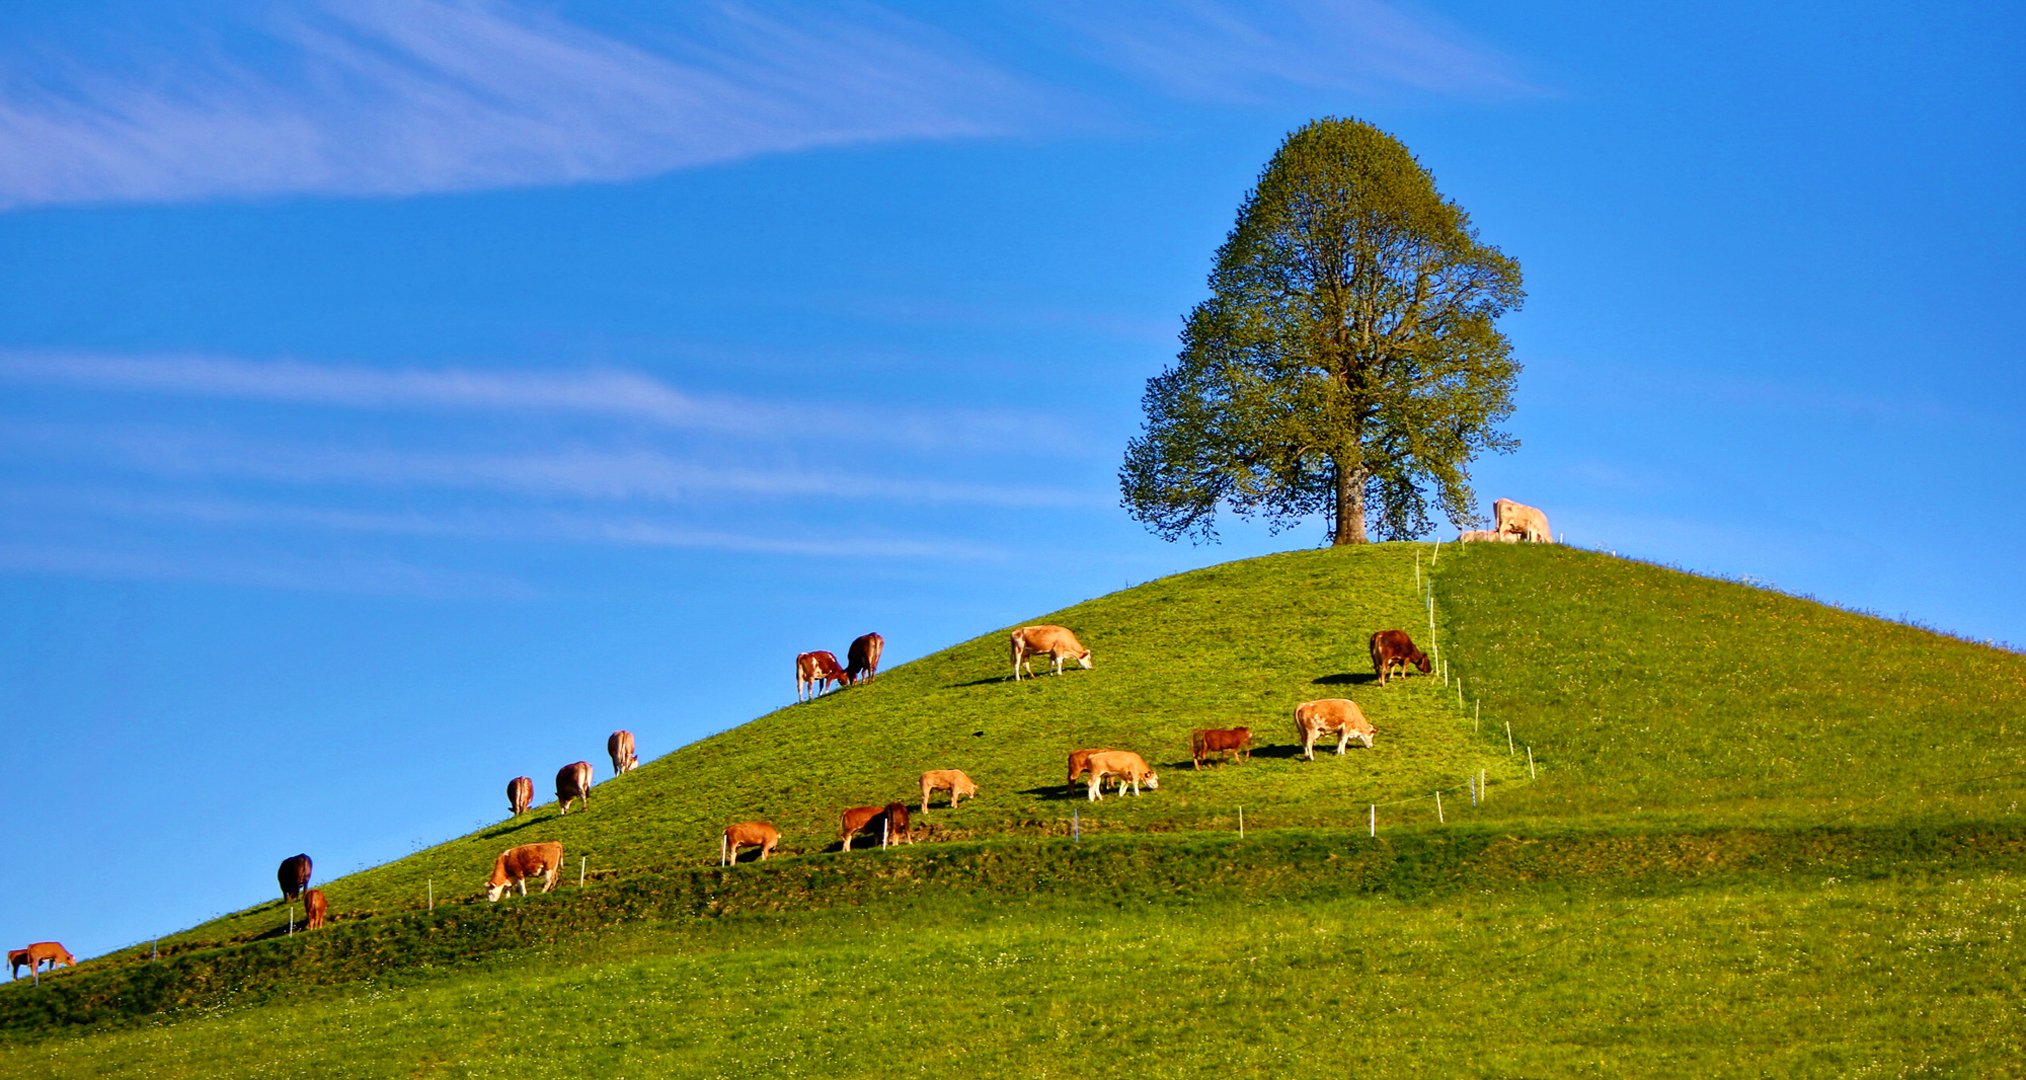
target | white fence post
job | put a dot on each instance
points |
(1439, 819)
(581, 861)
(1531, 775)
(1508, 738)
(432, 894)
(1241, 823)
(1375, 819)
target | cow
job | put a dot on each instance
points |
(573, 781)
(861, 660)
(814, 671)
(16, 960)
(315, 909)
(891, 820)
(1131, 768)
(520, 794)
(1330, 716)
(294, 876)
(517, 864)
(760, 834)
(1393, 648)
(1206, 741)
(1031, 641)
(35, 955)
(1486, 536)
(951, 780)
(619, 747)
(1523, 521)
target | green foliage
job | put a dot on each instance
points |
(1348, 350)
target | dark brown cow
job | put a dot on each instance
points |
(314, 909)
(516, 865)
(573, 782)
(1393, 648)
(1226, 741)
(867, 819)
(35, 955)
(16, 960)
(619, 746)
(862, 659)
(760, 834)
(521, 794)
(814, 671)
(294, 876)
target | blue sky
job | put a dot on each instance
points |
(397, 397)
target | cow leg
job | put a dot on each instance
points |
(1343, 740)
(1095, 782)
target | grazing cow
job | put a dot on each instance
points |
(517, 864)
(861, 661)
(1486, 536)
(294, 876)
(951, 780)
(1330, 716)
(760, 834)
(315, 909)
(520, 794)
(866, 819)
(16, 960)
(1523, 521)
(619, 746)
(573, 781)
(814, 671)
(1393, 648)
(1058, 643)
(34, 956)
(897, 828)
(1131, 769)
(1206, 741)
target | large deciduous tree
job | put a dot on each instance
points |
(1348, 359)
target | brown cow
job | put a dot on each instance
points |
(951, 780)
(516, 865)
(1054, 641)
(1206, 741)
(35, 955)
(864, 819)
(760, 834)
(573, 781)
(861, 660)
(1393, 648)
(1330, 716)
(1131, 768)
(814, 671)
(294, 876)
(1523, 521)
(314, 909)
(16, 960)
(619, 747)
(520, 794)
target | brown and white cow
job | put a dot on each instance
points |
(814, 671)
(861, 660)
(1486, 536)
(619, 747)
(314, 909)
(1330, 716)
(293, 875)
(1129, 767)
(1226, 741)
(516, 865)
(34, 956)
(759, 834)
(1523, 521)
(573, 782)
(1054, 641)
(1394, 649)
(520, 794)
(951, 780)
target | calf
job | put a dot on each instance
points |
(1129, 767)
(1206, 741)
(1330, 716)
(294, 876)
(951, 780)
(815, 671)
(314, 909)
(520, 794)
(573, 783)
(1523, 521)
(861, 660)
(1393, 648)
(760, 834)
(1055, 641)
(619, 747)
(517, 864)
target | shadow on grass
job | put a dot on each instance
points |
(1345, 678)
(1288, 751)
(513, 825)
(1058, 792)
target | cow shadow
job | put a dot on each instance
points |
(1346, 678)
(1057, 792)
(1282, 751)
(514, 825)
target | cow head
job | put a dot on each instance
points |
(1421, 661)
(1153, 781)
(494, 892)
(1084, 660)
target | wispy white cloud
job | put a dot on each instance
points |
(353, 575)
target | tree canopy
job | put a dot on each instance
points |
(1348, 357)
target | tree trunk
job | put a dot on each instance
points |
(1350, 523)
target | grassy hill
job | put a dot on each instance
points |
(1752, 812)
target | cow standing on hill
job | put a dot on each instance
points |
(1129, 767)
(520, 794)
(1330, 716)
(815, 671)
(760, 834)
(1053, 641)
(1393, 648)
(619, 747)
(951, 780)
(516, 865)
(315, 909)
(293, 875)
(1487, 536)
(1523, 521)
(34, 956)
(1206, 741)
(861, 660)
(891, 820)
(573, 782)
